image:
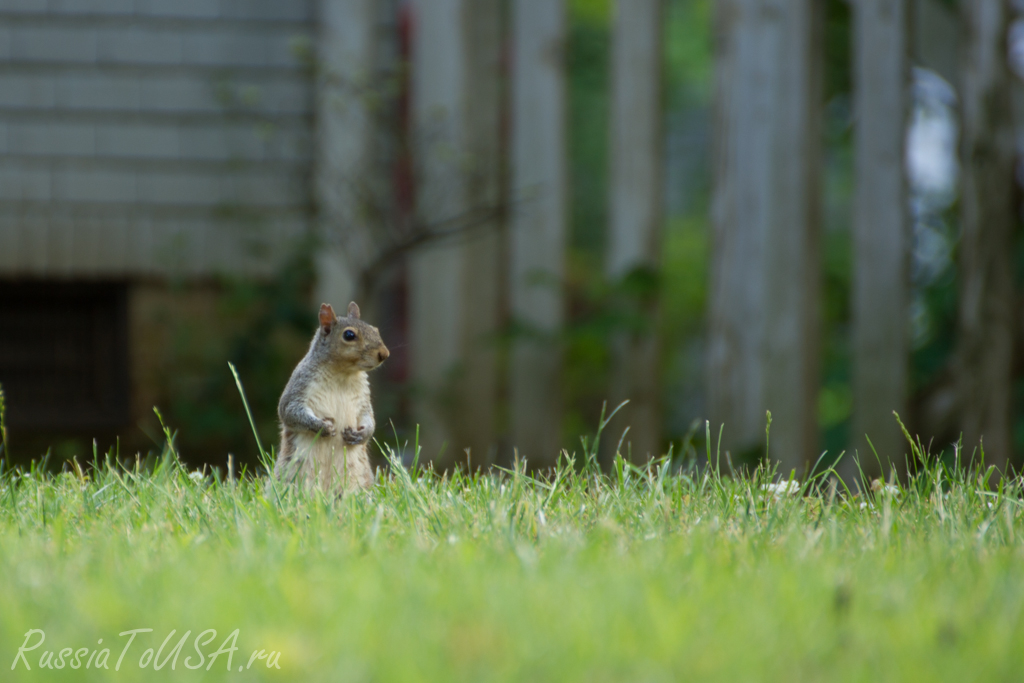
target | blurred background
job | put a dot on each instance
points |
(712, 208)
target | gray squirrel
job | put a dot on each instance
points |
(325, 410)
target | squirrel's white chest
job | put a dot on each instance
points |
(342, 399)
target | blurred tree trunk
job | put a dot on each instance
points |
(352, 177)
(880, 236)
(765, 290)
(985, 321)
(454, 282)
(635, 223)
(538, 227)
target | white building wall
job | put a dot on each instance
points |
(153, 137)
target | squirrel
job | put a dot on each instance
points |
(325, 410)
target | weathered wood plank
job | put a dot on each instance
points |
(764, 292)
(454, 285)
(881, 239)
(538, 230)
(635, 225)
(987, 311)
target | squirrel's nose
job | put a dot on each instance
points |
(383, 354)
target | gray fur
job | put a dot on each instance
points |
(332, 366)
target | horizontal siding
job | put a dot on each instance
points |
(238, 10)
(98, 89)
(153, 137)
(77, 41)
(156, 141)
(74, 241)
(89, 182)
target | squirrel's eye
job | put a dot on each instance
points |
(349, 335)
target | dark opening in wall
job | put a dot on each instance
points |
(64, 354)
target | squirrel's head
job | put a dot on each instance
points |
(351, 342)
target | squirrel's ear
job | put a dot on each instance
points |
(353, 310)
(327, 316)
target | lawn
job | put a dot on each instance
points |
(670, 573)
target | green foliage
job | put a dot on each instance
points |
(598, 308)
(835, 399)
(688, 52)
(667, 573)
(594, 12)
(3, 425)
(931, 358)
(685, 272)
(266, 327)
(838, 48)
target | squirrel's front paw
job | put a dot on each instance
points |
(355, 437)
(329, 429)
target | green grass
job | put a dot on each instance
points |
(658, 575)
